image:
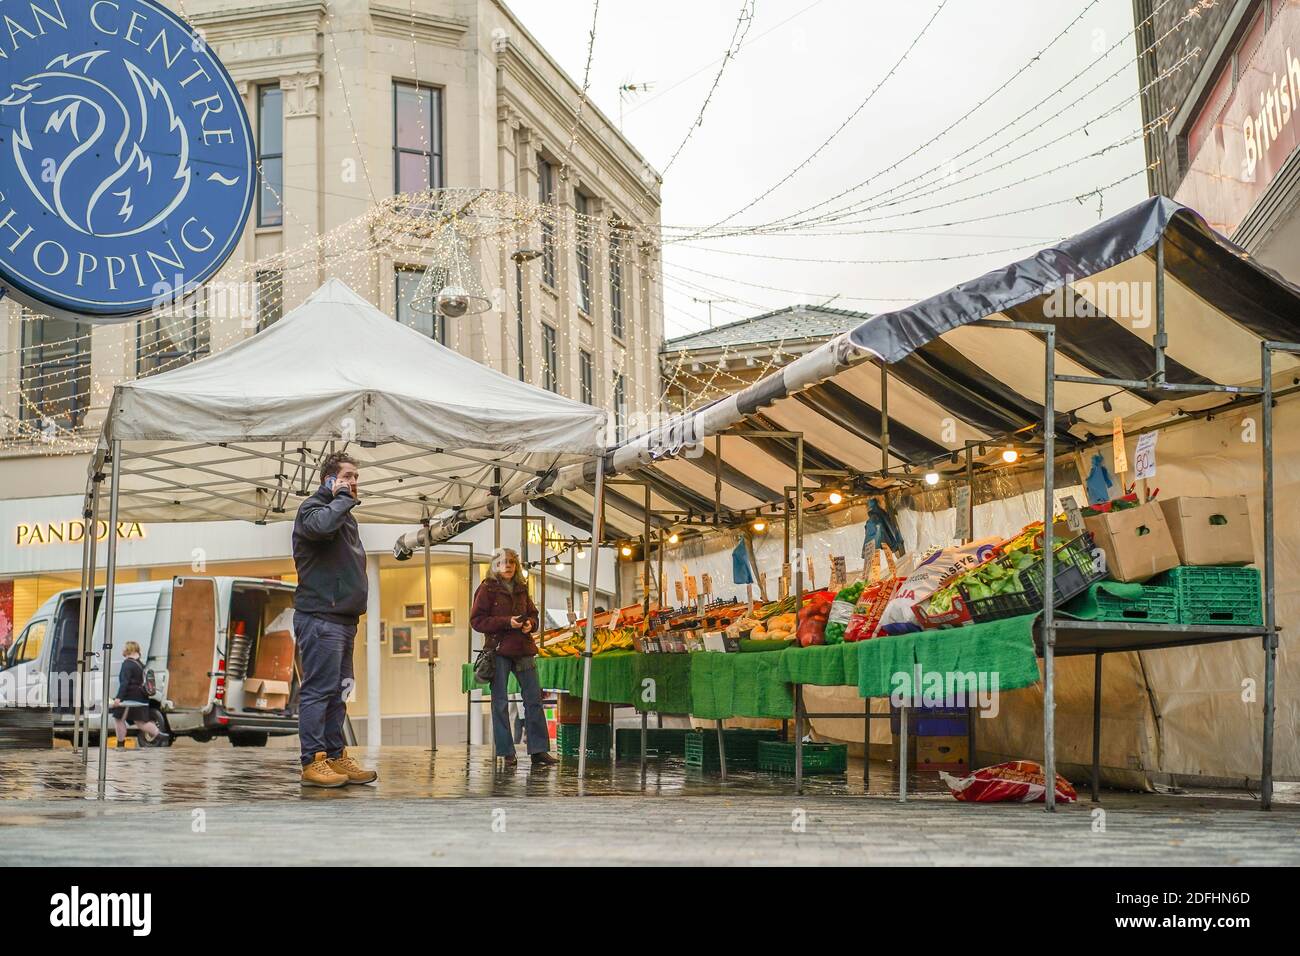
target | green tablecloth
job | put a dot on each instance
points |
(1004, 648)
(718, 686)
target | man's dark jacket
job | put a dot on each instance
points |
(329, 557)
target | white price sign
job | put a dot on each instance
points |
(1144, 459)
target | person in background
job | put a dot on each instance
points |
(507, 618)
(328, 602)
(131, 704)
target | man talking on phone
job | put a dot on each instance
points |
(329, 600)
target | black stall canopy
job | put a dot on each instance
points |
(949, 384)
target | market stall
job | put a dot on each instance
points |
(240, 435)
(1150, 318)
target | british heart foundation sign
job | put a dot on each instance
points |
(1250, 133)
(126, 157)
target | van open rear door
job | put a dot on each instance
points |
(193, 642)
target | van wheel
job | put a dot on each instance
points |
(249, 739)
(160, 719)
(203, 738)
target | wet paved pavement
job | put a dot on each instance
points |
(220, 805)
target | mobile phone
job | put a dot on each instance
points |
(329, 482)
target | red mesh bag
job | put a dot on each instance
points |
(1017, 781)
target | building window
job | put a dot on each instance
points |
(583, 226)
(586, 375)
(616, 282)
(415, 307)
(417, 138)
(269, 303)
(546, 196)
(550, 359)
(55, 372)
(620, 407)
(169, 342)
(270, 156)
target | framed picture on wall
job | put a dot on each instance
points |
(444, 617)
(400, 645)
(383, 632)
(425, 645)
(412, 612)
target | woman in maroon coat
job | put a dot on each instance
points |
(507, 618)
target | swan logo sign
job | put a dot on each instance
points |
(126, 157)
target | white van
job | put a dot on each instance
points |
(198, 635)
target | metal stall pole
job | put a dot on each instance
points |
(87, 536)
(86, 623)
(469, 643)
(1049, 581)
(972, 714)
(798, 601)
(884, 420)
(1270, 611)
(659, 548)
(1096, 728)
(596, 532)
(645, 556)
(428, 635)
(106, 660)
(89, 653)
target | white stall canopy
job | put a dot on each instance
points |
(239, 435)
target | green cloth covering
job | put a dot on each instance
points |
(763, 647)
(739, 685)
(671, 674)
(1003, 647)
(826, 665)
(1085, 608)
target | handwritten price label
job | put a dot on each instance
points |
(1144, 459)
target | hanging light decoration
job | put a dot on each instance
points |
(459, 294)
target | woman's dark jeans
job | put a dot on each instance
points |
(525, 671)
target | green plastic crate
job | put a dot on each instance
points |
(568, 738)
(1216, 595)
(659, 741)
(742, 748)
(1155, 605)
(778, 757)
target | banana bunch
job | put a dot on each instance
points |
(602, 640)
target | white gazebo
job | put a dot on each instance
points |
(239, 435)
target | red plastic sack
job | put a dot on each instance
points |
(812, 620)
(1019, 781)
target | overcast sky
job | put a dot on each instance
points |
(804, 68)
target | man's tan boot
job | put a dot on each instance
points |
(319, 773)
(353, 771)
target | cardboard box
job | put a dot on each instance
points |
(943, 753)
(1210, 530)
(571, 710)
(274, 659)
(263, 694)
(1136, 542)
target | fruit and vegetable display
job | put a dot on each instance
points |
(841, 611)
(570, 642)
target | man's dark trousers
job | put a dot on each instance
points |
(325, 649)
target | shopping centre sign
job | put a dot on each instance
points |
(126, 157)
(71, 532)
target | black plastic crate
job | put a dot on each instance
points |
(659, 741)
(600, 737)
(1072, 572)
(742, 748)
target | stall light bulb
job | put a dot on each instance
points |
(760, 525)
(835, 498)
(672, 538)
(1010, 455)
(581, 554)
(931, 477)
(626, 551)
